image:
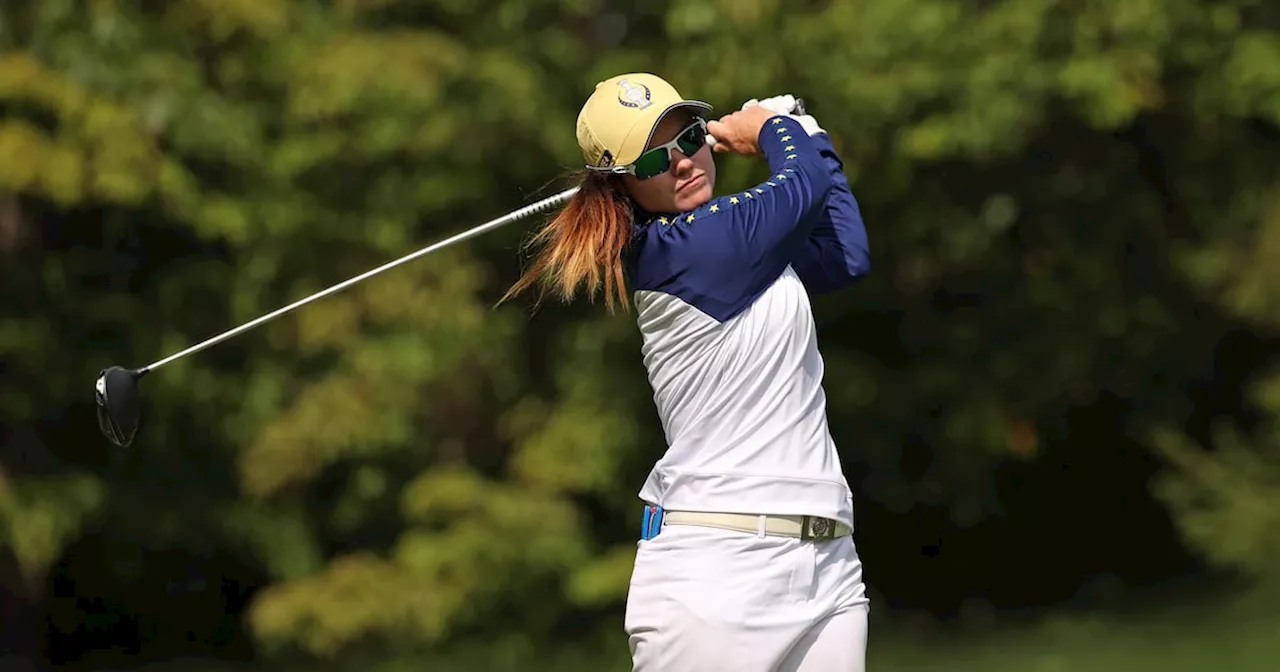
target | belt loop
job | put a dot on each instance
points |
(760, 527)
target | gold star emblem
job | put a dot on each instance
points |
(771, 184)
(782, 130)
(662, 220)
(733, 200)
(777, 121)
(759, 190)
(748, 195)
(788, 148)
(689, 218)
(791, 156)
(715, 208)
(780, 176)
(786, 138)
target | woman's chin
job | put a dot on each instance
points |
(694, 198)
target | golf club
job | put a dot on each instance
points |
(798, 109)
(118, 403)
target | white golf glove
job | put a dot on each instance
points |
(786, 105)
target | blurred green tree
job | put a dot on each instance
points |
(1225, 493)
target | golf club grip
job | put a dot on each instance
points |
(515, 215)
(799, 109)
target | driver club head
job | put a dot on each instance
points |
(119, 407)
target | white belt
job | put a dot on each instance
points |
(803, 527)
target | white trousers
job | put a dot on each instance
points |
(704, 600)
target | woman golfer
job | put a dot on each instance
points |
(746, 560)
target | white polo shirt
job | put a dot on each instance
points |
(729, 342)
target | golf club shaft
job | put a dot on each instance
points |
(527, 211)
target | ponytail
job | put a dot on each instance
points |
(582, 246)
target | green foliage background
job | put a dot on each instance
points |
(1059, 374)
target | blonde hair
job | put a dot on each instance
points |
(581, 247)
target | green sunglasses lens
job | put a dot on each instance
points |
(653, 162)
(658, 160)
(692, 140)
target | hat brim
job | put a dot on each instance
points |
(653, 128)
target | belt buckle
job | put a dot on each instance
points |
(813, 528)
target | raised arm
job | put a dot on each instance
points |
(723, 255)
(836, 253)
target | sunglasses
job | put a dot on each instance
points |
(658, 160)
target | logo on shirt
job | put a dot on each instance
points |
(634, 95)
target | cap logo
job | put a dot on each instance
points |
(606, 159)
(634, 95)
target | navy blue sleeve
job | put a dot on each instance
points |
(836, 253)
(723, 255)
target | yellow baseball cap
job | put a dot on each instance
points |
(618, 120)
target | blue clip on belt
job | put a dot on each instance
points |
(652, 523)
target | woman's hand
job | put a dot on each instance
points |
(740, 132)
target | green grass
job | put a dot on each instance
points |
(1221, 636)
